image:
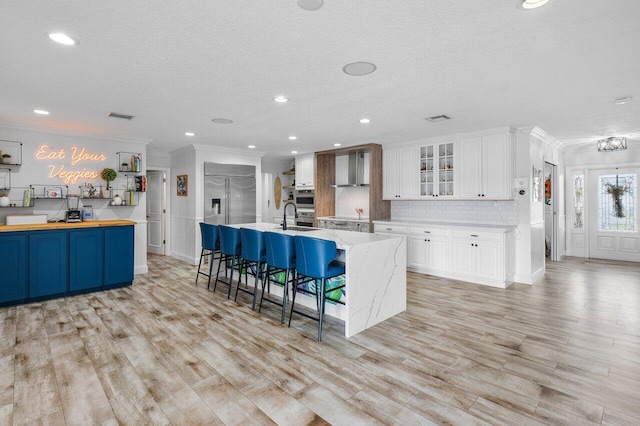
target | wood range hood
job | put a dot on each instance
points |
(325, 182)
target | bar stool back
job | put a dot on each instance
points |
(281, 257)
(254, 253)
(210, 247)
(316, 259)
(230, 249)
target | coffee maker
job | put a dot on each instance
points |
(73, 214)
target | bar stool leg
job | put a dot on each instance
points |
(233, 261)
(215, 284)
(266, 278)
(199, 264)
(294, 289)
(213, 256)
(321, 308)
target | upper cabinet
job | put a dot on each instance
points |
(485, 167)
(304, 171)
(437, 170)
(465, 167)
(399, 167)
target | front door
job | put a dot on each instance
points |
(613, 214)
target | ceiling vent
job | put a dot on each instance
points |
(437, 118)
(116, 115)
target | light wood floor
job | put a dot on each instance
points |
(565, 351)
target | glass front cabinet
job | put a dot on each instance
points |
(437, 170)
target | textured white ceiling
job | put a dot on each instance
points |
(175, 65)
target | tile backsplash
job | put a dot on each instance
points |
(472, 212)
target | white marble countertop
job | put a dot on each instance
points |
(343, 239)
(445, 225)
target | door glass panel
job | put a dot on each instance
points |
(578, 201)
(617, 202)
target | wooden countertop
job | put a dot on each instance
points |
(64, 225)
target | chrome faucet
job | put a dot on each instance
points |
(284, 219)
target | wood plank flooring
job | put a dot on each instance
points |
(564, 351)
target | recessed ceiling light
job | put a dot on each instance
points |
(189, 134)
(532, 4)
(294, 152)
(293, 138)
(337, 144)
(41, 112)
(251, 146)
(281, 99)
(437, 118)
(62, 39)
(365, 120)
(359, 68)
(310, 4)
(622, 101)
(222, 121)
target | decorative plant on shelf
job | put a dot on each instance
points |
(359, 210)
(109, 175)
(6, 158)
(617, 191)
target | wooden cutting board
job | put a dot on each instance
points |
(277, 192)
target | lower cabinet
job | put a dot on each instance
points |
(45, 264)
(478, 256)
(429, 249)
(13, 285)
(48, 264)
(86, 269)
(118, 256)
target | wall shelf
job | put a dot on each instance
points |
(12, 148)
(129, 162)
(49, 192)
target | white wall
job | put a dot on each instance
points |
(533, 148)
(187, 212)
(34, 171)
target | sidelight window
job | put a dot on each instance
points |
(578, 201)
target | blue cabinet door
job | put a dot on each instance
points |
(48, 263)
(118, 256)
(13, 258)
(86, 251)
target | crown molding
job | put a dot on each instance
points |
(68, 132)
(200, 148)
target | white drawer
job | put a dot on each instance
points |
(482, 235)
(434, 232)
(390, 229)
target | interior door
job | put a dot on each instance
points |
(613, 214)
(156, 210)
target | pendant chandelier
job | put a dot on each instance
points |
(612, 144)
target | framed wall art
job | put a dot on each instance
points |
(182, 185)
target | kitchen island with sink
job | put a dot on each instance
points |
(375, 278)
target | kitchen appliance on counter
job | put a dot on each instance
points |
(73, 214)
(229, 193)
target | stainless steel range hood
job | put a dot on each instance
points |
(350, 170)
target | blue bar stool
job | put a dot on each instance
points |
(281, 257)
(316, 260)
(254, 253)
(230, 249)
(210, 247)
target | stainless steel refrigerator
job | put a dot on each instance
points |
(229, 193)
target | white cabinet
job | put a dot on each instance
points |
(429, 249)
(304, 171)
(437, 170)
(479, 255)
(399, 173)
(485, 167)
(483, 255)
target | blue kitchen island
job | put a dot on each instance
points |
(45, 261)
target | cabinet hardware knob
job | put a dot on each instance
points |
(474, 235)
(471, 244)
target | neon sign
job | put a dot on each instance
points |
(78, 156)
